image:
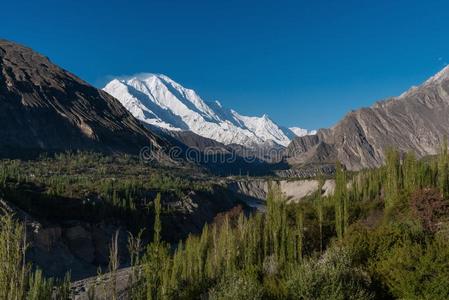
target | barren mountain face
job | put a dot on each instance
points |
(417, 121)
(45, 108)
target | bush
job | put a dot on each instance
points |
(236, 286)
(429, 207)
(414, 271)
(330, 277)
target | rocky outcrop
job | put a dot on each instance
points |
(415, 121)
(45, 108)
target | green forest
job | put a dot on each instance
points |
(383, 234)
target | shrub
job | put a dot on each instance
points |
(330, 277)
(236, 286)
(414, 271)
(428, 206)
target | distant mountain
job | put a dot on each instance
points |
(417, 120)
(45, 108)
(157, 100)
(298, 132)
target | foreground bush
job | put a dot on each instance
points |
(329, 277)
(415, 271)
(237, 286)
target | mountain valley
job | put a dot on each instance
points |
(143, 190)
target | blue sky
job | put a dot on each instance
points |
(304, 63)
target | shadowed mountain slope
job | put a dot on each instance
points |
(45, 108)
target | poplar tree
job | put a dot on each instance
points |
(300, 233)
(319, 207)
(157, 219)
(410, 172)
(392, 185)
(156, 258)
(443, 174)
(340, 201)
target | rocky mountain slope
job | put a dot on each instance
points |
(45, 108)
(415, 121)
(157, 100)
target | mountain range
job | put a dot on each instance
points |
(159, 101)
(44, 108)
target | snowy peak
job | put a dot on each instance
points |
(170, 95)
(157, 100)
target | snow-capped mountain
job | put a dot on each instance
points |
(157, 100)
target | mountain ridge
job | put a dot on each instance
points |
(413, 121)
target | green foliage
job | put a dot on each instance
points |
(443, 169)
(380, 247)
(250, 258)
(341, 200)
(156, 263)
(13, 269)
(237, 286)
(99, 188)
(39, 287)
(417, 271)
(382, 234)
(392, 186)
(157, 219)
(410, 171)
(17, 280)
(329, 277)
(319, 206)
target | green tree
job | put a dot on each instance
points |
(319, 207)
(443, 170)
(410, 172)
(157, 219)
(341, 202)
(392, 186)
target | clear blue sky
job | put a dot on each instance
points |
(305, 63)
